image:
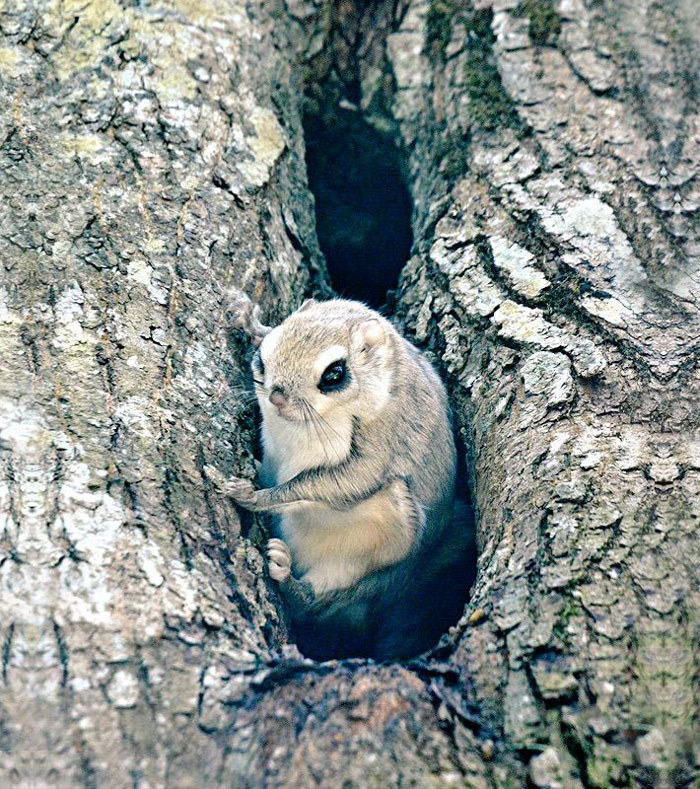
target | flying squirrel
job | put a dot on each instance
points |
(358, 469)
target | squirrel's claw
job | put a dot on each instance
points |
(240, 489)
(279, 560)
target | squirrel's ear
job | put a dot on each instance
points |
(243, 314)
(306, 305)
(258, 332)
(369, 334)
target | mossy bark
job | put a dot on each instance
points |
(151, 158)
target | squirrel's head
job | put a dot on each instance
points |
(328, 359)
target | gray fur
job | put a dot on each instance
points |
(382, 445)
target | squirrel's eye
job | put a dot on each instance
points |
(258, 367)
(334, 376)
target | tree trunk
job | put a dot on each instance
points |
(152, 158)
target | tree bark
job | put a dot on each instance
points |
(152, 157)
(145, 170)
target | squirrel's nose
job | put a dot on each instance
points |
(278, 397)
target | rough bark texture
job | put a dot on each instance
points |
(145, 170)
(559, 272)
(150, 158)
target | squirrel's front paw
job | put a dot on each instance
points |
(279, 560)
(240, 489)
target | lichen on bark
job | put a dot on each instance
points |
(151, 158)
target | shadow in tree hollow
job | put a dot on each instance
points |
(363, 219)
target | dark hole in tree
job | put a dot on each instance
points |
(363, 208)
(409, 618)
(363, 220)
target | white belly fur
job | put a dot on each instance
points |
(335, 548)
(292, 447)
(332, 549)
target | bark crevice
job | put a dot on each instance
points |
(152, 160)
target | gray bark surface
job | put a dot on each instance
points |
(151, 158)
(144, 170)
